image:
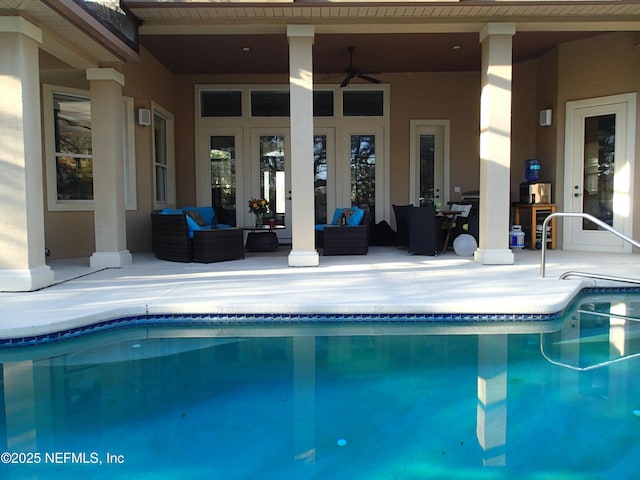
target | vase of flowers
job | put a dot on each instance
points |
(259, 206)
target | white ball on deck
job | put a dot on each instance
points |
(464, 245)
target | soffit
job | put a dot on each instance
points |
(159, 11)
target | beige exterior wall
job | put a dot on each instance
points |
(524, 122)
(605, 65)
(66, 234)
(546, 137)
(148, 81)
(449, 96)
(71, 234)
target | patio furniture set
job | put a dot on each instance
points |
(192, 234)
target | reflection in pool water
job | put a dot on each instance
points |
(163, 403)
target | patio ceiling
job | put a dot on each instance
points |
(202, 37)
(374, 53)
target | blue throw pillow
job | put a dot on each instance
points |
(350, 212)
(192, 225)
(356, 217)
(208, 215)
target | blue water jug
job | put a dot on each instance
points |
(532, 170)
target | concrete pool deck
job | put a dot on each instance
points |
(387, 280)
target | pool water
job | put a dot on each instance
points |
(178, 403)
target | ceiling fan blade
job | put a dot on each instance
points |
(369, 79)
(346, 81)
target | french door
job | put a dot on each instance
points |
(600, 145)
(271, 175)
(429, 163)
(361, 172)
(219, 173)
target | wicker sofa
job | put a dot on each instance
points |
(175, 238)
(350, 239)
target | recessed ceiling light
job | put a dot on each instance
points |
(246, 49)
(456, 47)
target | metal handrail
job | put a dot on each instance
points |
(591, 218)
(599, 277)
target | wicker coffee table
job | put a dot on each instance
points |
(262, 238)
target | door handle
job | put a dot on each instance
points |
(577, 194)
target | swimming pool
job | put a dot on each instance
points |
(160, 402)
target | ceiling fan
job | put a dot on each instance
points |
(353, 72)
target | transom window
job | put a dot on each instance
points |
(275, 103)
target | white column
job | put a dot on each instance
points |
(19, 400)
(491, 423)
(303, 252)
(495, 144)
(108, 168)
(22, 259)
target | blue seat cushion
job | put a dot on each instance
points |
(354, 217)
(171, 211)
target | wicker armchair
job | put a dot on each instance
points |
(345, 240)
(171, 241)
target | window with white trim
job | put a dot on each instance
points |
(68, 149)
(163, 157)
(73, 154)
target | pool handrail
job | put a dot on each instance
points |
(591, 218)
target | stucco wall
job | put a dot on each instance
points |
(430, 96)
(67, 234)
(547, 98)
(147, 81)
(524, 121)
(608, 64)
(71, 234)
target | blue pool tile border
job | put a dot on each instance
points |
(279, 319)
(298, 319)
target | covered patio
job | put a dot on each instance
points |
(473, 78)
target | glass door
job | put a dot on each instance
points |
(271, 178)
(598, 169)
(363, 170)
(599, 166)
(222, 154)
(219, 174)
(427, 168)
